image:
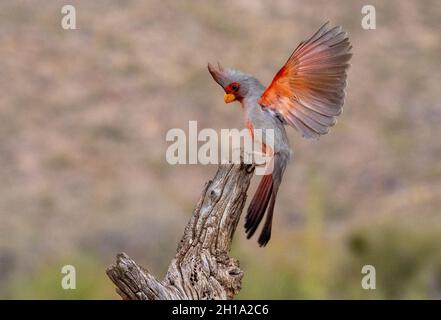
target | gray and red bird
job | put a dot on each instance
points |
(307, 93)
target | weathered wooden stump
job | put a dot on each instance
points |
(201, 268)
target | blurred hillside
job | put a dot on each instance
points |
(83, 118)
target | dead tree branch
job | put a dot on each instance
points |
(201, 268)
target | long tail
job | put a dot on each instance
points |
(265, 198)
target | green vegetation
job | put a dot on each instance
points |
(45, 282)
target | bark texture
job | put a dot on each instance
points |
(201, 268)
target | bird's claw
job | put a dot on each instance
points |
(249, 168)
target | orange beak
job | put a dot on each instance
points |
(229, 97)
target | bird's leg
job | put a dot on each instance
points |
(254, 164)
(252, 158)
(244, 158)
(250, 168)
(251, 155)
(262, 156)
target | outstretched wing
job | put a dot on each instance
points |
(308, 91)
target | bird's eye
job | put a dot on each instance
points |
(235, 87)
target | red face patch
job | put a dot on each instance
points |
(233, 88)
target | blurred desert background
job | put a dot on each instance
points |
(83, 119)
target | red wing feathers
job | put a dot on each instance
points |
(308, 91)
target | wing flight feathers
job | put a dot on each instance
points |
(308, 91)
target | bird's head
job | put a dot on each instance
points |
(236, 84)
